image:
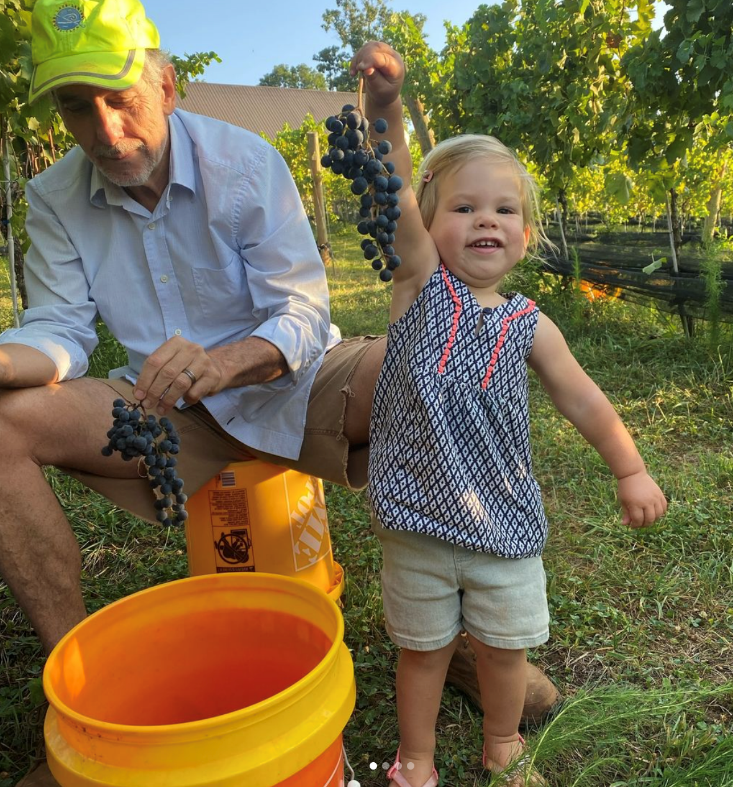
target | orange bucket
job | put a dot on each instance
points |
(234, 680)
(255, 516)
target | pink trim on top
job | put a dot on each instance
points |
(456, 315)
(500, 341)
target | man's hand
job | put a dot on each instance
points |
(178, 368)
(384, 72)
(642, 501)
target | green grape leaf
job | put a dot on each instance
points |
(619, 186)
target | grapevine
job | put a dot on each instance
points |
(373, 180)
(154, 444)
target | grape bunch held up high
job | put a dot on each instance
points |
(373, 180)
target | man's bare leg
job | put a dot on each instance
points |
(359, 405)
(63, 425)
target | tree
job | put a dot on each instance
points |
(546, 79)
(405, 33)
(333, 63)
(303, 77)
(30, 137)
(681, 74)
(355, 24)
(683, 95)
(190, 67)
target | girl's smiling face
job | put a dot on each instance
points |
(478, 226)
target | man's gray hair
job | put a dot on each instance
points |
(155, 62)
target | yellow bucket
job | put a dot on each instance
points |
(255, 516)
(234, 680)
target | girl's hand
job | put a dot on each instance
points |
(642, 501)
(383, 69)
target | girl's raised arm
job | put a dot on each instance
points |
(384, 73)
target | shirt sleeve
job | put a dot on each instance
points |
(60, 320)
(285, 273)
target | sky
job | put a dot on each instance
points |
(253, 36)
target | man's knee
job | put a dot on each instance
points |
(53, 423)
(18, 415)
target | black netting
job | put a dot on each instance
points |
(618, 270)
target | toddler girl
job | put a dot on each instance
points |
(456, 507)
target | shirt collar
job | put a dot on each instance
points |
(182, 173)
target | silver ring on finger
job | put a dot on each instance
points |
(191, 376)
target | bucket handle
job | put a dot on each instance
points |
(352, 782)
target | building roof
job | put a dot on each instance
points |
(262, 109)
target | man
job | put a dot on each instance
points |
(187, 237)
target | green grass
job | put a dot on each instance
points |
(642, 621)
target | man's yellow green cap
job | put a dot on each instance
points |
(89, 42)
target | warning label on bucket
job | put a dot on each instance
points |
(309, 527)
(231, 530)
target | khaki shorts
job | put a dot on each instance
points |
(432, 589)
(206, 448)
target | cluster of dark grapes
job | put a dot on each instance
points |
(373, 180)
(139, 436)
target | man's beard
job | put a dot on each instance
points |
(147, 164)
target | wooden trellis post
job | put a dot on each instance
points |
(314, 158)
(9, 228)
(687, 322)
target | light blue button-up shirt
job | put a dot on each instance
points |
(227, 253)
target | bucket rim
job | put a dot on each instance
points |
(236, 718)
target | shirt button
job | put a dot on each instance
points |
(177, 332)
(164, 278)
(151, 226)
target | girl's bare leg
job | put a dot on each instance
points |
(420, 679)
(502, 676)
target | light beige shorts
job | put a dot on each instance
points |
(206, 448)
(432, 589)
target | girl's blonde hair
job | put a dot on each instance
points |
(453, 153)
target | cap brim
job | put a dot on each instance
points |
(108, 70)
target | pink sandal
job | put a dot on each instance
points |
(394, 774)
